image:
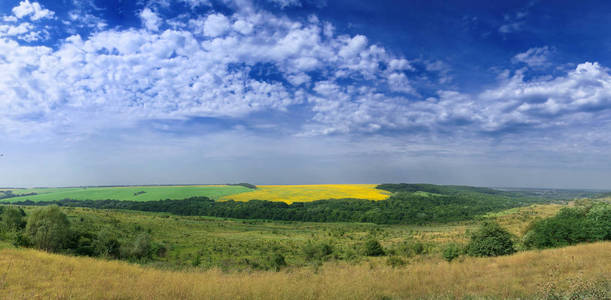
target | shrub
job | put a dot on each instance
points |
(395, 261)
(373, 248)
(490, 240)
(197, 260)
(277, 261)
(317, 251)
(451, 251)
(84, 246)
(411, 248)
(48, 229)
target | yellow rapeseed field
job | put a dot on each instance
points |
(306, 193)
(574, 271)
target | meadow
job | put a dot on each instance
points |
(307, 193)
(131, 193)
(576, 272)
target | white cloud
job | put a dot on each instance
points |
(441, 68)
(511, 27)
(150, 19)
(515, 21)
(400, 64)
(197, 3)
(398, 82)
(243, 27)
(34, 10)
(286, 3)
(353, 46)
(215, 25)
(534, 57)
(564, 100)
(9, 19)
(24, 31)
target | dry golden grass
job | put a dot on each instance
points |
(518, 219)
(30, 274)
(306, 193)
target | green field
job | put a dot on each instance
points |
(132, 193)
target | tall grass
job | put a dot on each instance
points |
(580, 271)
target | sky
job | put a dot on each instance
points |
(485, 93)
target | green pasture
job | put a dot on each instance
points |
(132, 193)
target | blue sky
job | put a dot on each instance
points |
(516, 93)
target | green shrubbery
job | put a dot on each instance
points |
(587, 222)
(451, 252)
(48, 229)
(373, 248)
(490, 240)
(317, 251)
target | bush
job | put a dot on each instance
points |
(277, 261)
(490, 240)
(451, 251)
(48, 229)
(395, 261)
(84, 245)
(373, 248)
(410, 248)
(317, 251)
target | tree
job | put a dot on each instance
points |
(106, 244)
(12, 219)
(142, 247)
(373, 248)
(490, 240)
(48, 229)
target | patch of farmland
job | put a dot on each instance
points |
(307, 193)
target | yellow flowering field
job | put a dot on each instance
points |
(306, 193)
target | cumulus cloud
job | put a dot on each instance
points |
(204, 67)
(34, 10)
(215, 25)
(564, 100)
(150, 19)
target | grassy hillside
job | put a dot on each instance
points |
(307, 193)
(248, 244)
(131, 193)
(580, 272)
